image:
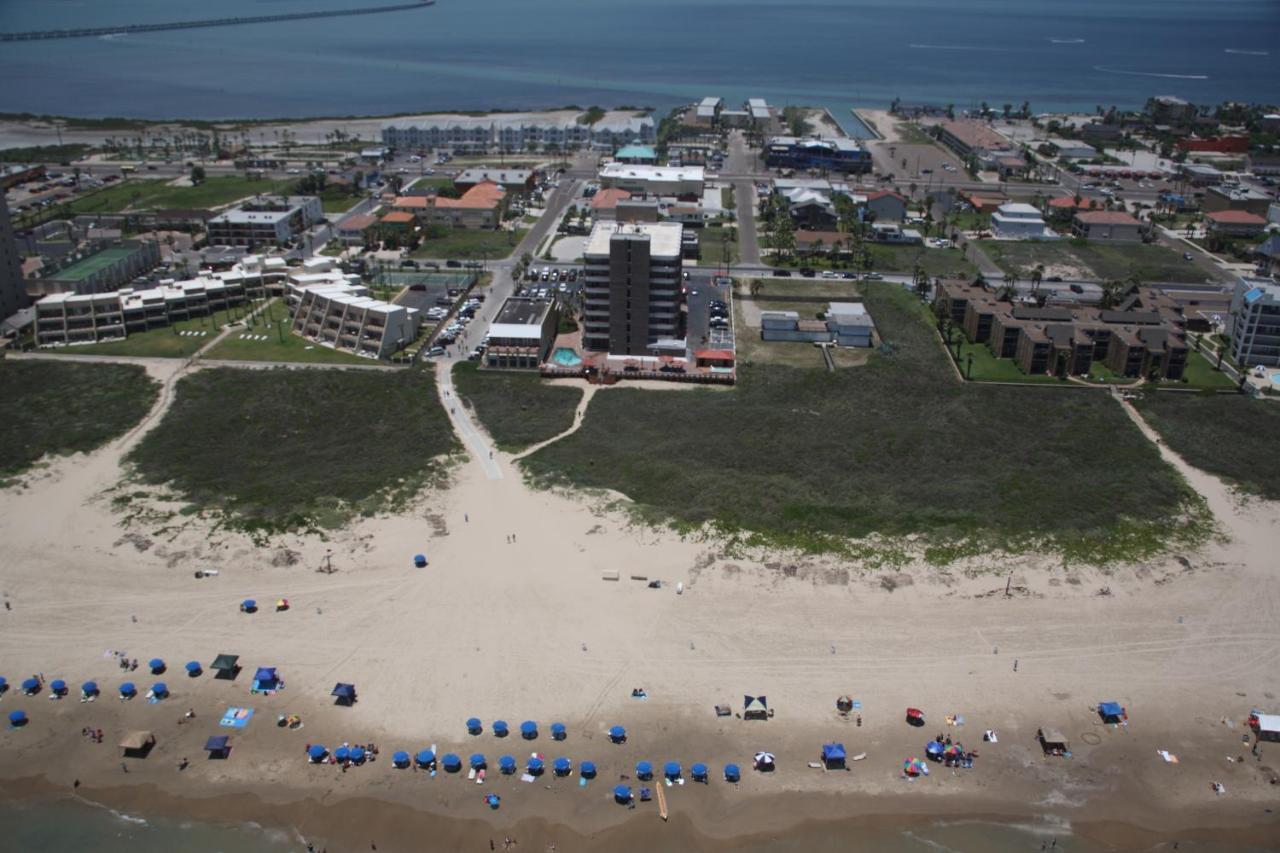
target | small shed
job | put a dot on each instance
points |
(219, 746)
(1268, 726)
(226, 666)
(137, 744)
(756, 708)
(1053, 742)
(345, 693)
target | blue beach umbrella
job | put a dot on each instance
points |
(587, 769)
(400, 759)
(420, 560)
(562, 766)
(425, 758)
(507, 764)
(89, 688)
(534, 766)
(732, 773)
(557, 731)
(499, 728)
(128, 689)
(451, 762)
(58, 686)
(699, 771)
(933, 749)
(160, 690)
(529, 730)
(194, 668)
(342, 753)
(622, 793)
(317, 752)
(4, 684)
(473, 726)
(477, 760)
(356, 754)
(493, 801)
(671, 770)
(17, 718)
(644, 770)
(248, 605)
(157, 666)
(30, 685)
(617, 734)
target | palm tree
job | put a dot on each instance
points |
(1037, 275)
(1008, 291)
(1111, 290)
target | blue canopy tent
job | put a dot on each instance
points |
(342, 753)
(425, 758)
(159, 690)
(699, 772)
(420, 560)
(451, 763)
(248, 606)
(562, 766)
(618, 734)
(534, 767)
(193, 668)
(400, 759)
(356, 754)
(128, 690)
(507, 764)
(157, 665)
(622, 793)
(732, 773)
(558, 731)
(1111, 712)
(89, 688)
(644, 771)
(833, 755)
(316, 753)
(587, 769)
(671, 770)
(31, 686)
(17, 718)
(477, 761)
(500, 728)
(528, 730)
(58, 686)
(346, 694)
(265, 678)
(218, 746)
(474, 727)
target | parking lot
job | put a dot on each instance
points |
(698, 299)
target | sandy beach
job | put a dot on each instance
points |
(512, 620)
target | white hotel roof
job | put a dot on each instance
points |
(652, 173)
(664, 237)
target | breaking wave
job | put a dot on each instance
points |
(1150, 73)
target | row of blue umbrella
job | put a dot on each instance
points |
(529, 730)
(90, 688)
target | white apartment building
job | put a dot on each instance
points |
(265, 221)
(516, 131)
(1016, 221)
(654, 180)
(343, 317)
(70, 318)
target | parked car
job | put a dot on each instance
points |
(435, 352)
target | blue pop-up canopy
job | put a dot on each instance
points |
(534, 766)
(644, 770)
(317, 752)
(617, 734)
(671, 769)
(451, 762)
(507, 764)
(732, 773)
(157, 665)
(499, 728)
(1111, 712)
(833, 752)
(529, 729)
(425, 758)
(400, 759)
(622, 793)
(265, 675)
(477, 760)
(473, 726)
(557, 731)
(587, 769)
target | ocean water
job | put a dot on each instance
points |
(486, 54)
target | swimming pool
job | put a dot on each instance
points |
(565, 357)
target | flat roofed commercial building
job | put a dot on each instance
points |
(632, 293)
(654, 180)
(522, 334)
(341, 317)
(511, 180)
(836, 154)
(265, 221)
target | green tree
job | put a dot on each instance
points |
(197, 175)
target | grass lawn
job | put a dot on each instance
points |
(339, 199)
(1229, 435)
(517, 408)
(897, 259)
(164, 342)
(283, 449)
(988, 368)
(1100, 261)
(151, 194)
(47, 407)
(712, 243)
(1201, 373)
(471, 243)
(280, 345)
(806, 458)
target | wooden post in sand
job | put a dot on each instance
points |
(662, 801)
